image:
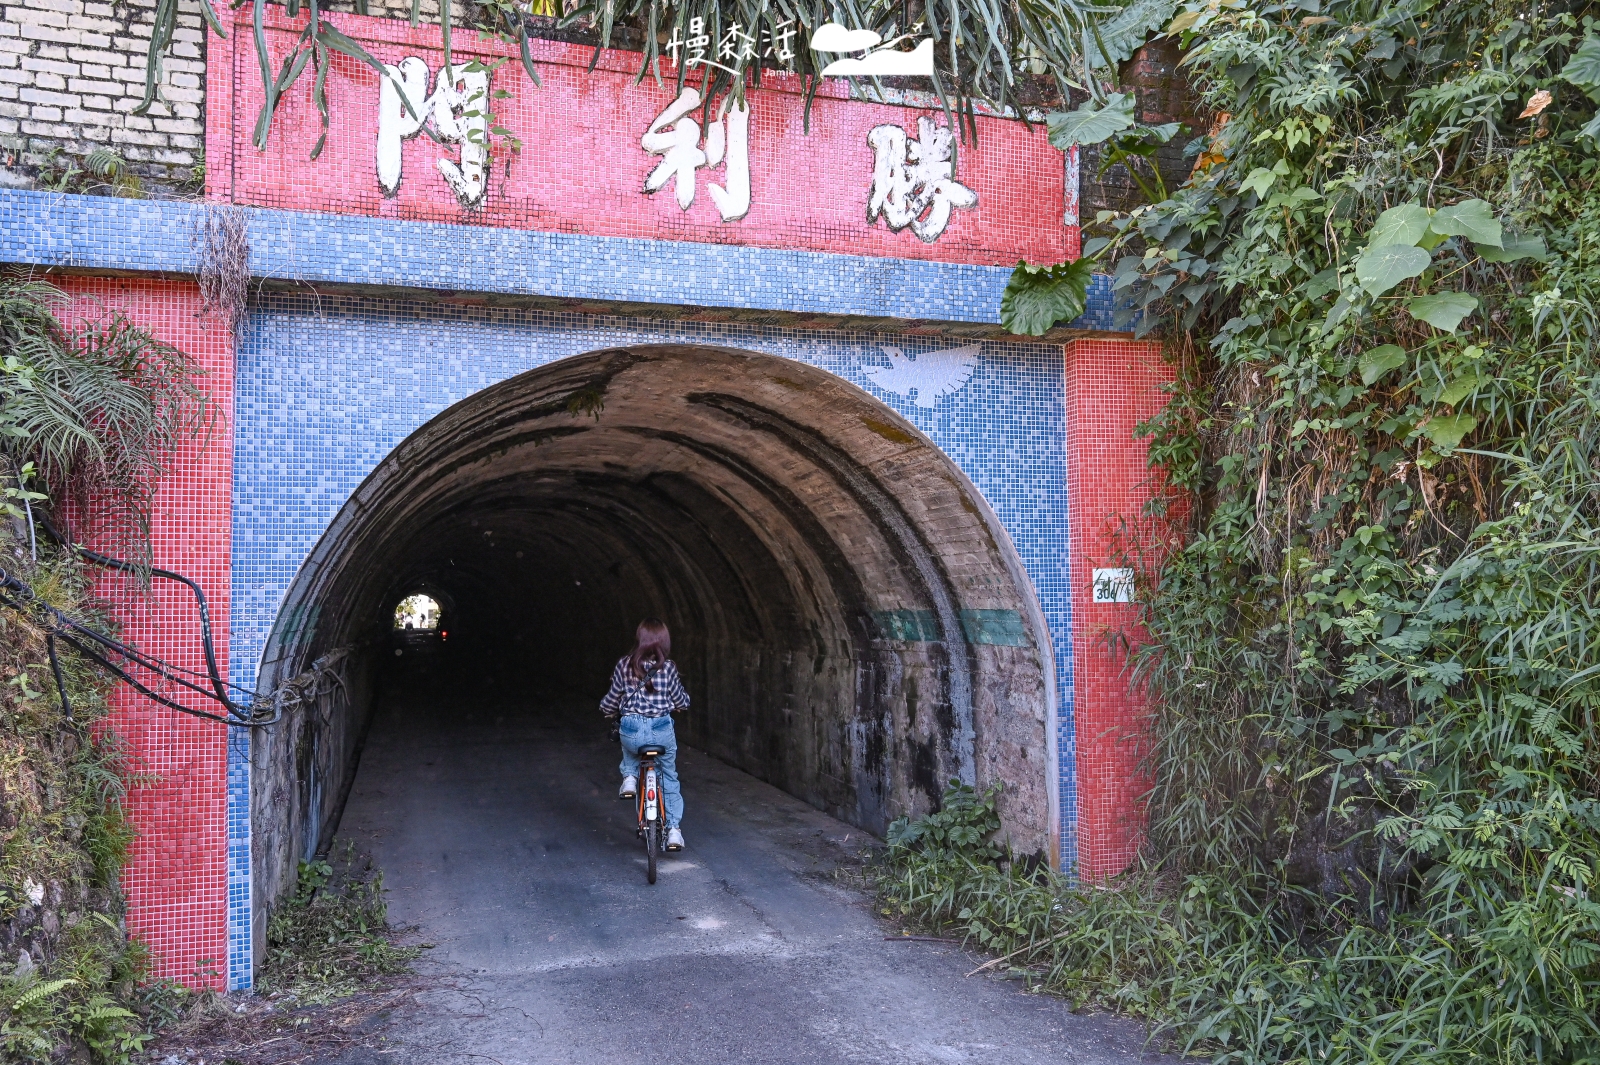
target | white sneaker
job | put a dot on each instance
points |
(630, 788)
(674, 840)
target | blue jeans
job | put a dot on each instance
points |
(640, 731)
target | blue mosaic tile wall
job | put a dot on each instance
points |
(326, 388)
(305, 366)
(240, 946)
(56, 229)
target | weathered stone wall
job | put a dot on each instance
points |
(849, 621)
(300, 771)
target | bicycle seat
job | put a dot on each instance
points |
(652, 751)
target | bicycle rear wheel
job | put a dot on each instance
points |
(651, 838)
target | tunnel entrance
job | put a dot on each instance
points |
(419, 612)
(850, 618)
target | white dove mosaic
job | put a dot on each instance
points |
(925, 379)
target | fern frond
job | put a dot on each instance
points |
(40, 992)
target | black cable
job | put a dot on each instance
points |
(107, 561)
(154, 665)
(69, 630)
(163, 700)
(63, 624)
(55, 668)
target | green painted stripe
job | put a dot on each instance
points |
(912, 626)
(1002, 628)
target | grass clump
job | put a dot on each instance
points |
(70, 978)
(1369, 624)
(1214, 968)
(332, 938)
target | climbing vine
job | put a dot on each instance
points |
(1374, 829)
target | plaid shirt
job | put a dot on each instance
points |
(628, 694)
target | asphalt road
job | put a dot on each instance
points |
(501, 837)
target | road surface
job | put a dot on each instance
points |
(501, 836)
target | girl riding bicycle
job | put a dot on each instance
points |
(646, 691)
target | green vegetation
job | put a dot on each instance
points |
(89, 415)
(1375, 823)
(101, 172)
(332, 936)
(63, 839)
(998, 52)
(78, 408)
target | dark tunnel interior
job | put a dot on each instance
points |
(850, 619)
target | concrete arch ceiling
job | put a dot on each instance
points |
(850, 618)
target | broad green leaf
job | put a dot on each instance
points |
(1039, 297)
(1459, 389)
(1528, 246)
(1260, 179)
(1443, 311)
(1583, 69)
(1321, 284)
(1118, 37)
(1159, 134)
(1472, 219)
(1379, 361)
(1385, 266)
(1405, 224)
(1303, 194)
(1341, 307)
(1447, 431)
(1090, 124)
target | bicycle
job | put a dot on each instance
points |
(652, 825)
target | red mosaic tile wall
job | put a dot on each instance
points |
(1111, 386)
(176, 879)
(581, 168)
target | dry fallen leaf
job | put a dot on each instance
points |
(1536, 103)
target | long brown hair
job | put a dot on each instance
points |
(653, 641)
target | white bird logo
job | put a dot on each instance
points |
(929, 375)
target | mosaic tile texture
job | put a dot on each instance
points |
(1111, 386)
(326, 389)
(328, 386)
(186, 851)
(93, 232)
(581, 167)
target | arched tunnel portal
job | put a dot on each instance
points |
(849, 616)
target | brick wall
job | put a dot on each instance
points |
(1163, 95)
(71, 73)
